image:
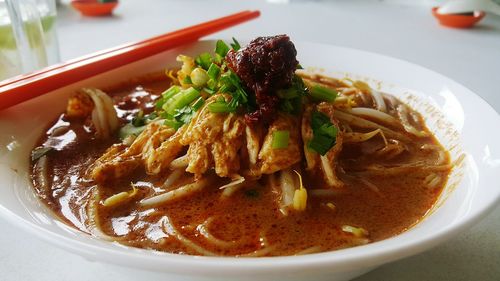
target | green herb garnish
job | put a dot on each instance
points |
(213, 71)
(324, 133)
(221, 48)
(187, 80)
(180, 100)
(139, 120)
(169, 93)
(221, 107)
(172, 123)
(280, 139)
(198, 104)
(204, 60)
(235, 45)
(291, 98)
(184, 114)
(322, 93)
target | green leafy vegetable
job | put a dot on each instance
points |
(213, 71)
(187, 80)
(198, 104)
(204, 60)
(172, 123)
(291, 98)
(231, 83)
(169, 93)
(151, 116)
(322, 93)
(177, 106)
(292, 106)
(221, 48)
(280, 139)
(324, 133)
(235, 45)
(209, 91)
(221, 107)
(139, 120)
(180, 100)
(184, 114)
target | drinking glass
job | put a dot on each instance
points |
(28, 39)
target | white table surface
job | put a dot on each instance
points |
(394, 28)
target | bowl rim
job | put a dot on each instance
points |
(368, 255)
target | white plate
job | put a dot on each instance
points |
(462, 121)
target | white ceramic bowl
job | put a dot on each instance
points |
(462, 121)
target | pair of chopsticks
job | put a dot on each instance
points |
(25, 87)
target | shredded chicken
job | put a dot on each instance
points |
(214, 141)
(153, 149)
(253, 136)
(273, 160)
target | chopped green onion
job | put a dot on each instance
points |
(152, 115)
(204, 60)
(213, 71)
(220, 107)
(322, 93)
(184, 114)
(286, 106)
(291, 98)
(138, 120)
(170, 92)
(180, 100)
(212, 84)
(231, 83)
(187, 80)
(221, 48)
(280, 139)
(209, 91)
(321, 144)
(328, 130)
(292, 106)
(198, 104)
(318, 119)
(289, 93)
(199, 77)
(173, 123)
(235, 45)
(167, 94)
(324, 133)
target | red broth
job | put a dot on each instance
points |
(248, 223)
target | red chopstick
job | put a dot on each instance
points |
(25, 87)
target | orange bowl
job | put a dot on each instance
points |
(458, 20)
(94, 9)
